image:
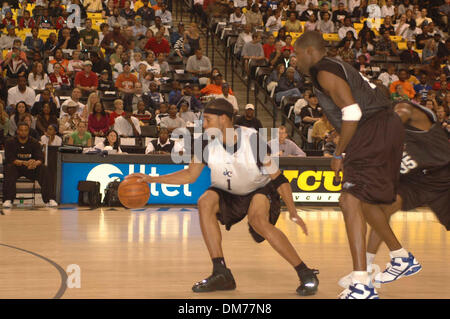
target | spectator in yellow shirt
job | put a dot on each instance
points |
(293, 25)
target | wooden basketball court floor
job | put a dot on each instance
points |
(158, 252)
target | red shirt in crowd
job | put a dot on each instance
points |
(98, 125)
(437, 86)
(290, 48)
(113, 116)
(7, 22)
(121, 3)
(26, 23)
(162, 47)
(57, 82)
(60, 23)
(90, 81)
(268, 50)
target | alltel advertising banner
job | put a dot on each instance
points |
(72, 173)
(308, 185)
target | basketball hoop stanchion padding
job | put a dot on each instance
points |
(133, 194)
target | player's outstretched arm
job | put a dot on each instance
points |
(184, 176)
(340, 92)
(285, 191)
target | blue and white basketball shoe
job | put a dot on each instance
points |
(398, 267)
(359, 291)
(346, 281)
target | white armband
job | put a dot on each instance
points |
(351, 113)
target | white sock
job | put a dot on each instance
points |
(399, 253)
(361, 277)
(369, 259)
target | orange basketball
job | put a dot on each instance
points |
(133, 194)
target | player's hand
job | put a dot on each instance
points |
(336, 166)
(142, 177)
(299, 221)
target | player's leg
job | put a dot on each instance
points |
(375, 240)
(440, 207)
(221, 277)
(377, 219)
(258, 218)
(356, 228)
(208, 207)
(372, 245)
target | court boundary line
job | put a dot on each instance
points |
(62, 272)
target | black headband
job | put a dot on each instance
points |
(218, 112)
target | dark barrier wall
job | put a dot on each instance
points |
(311, 179)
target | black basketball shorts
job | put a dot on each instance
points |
(373, 157)
(425, 191)
(233, 208)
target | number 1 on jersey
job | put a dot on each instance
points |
(229, 184)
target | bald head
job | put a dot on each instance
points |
(310, 48)
(311, 39)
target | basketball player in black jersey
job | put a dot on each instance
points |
(371, 136)
(242, 185)
(424, 176)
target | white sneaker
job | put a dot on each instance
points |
(52, 203)
(346, 281)
(399, 267)
(7, 204)
(359, 291)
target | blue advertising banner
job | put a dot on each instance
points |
(72, 173)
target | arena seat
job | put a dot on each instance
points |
(94, 15)
(402, 45)
(45, 33)
(331, 37)
(396, 38)
(358, 26)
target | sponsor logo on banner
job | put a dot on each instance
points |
(72, 173)
(104, 174)
(313, 185)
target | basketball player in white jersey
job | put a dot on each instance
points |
(241, 184)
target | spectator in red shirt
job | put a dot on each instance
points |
(442, 79)
(98, 122)
(269, 47)
(288, 45)
(58, 78)
(86, 80)
(26, 21)
(61, 21)
(158, 44)
(8, 20)
(118, 111)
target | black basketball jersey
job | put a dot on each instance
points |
(426, 156)
(370, 98)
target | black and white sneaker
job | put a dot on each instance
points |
(217, 281)
(309, 283)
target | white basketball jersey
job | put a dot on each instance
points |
(236, 173)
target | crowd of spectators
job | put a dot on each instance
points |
(118, 66)
(121, 67)
(400, 44)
